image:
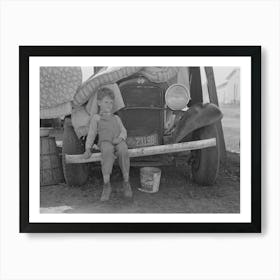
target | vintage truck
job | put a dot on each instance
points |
(158, 134)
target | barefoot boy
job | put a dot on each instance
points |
(112, 135)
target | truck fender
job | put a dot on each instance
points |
(197, 116)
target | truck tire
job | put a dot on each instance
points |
(206, 162)
(74, 174)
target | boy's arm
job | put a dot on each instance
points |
(92, 131)
(123, 133)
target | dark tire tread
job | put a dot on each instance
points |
(207, 161)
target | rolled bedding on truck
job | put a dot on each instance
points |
(108, 77)
(63, 93)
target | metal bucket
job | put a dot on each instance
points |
(150, 179)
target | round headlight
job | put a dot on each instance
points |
(177, 97)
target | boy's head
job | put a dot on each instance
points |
(105, 100)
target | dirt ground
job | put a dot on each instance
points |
(177, 193)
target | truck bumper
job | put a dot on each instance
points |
(148, 151)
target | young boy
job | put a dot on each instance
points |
(112, 135)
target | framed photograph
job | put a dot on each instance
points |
(140, 139)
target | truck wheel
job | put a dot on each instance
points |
(206, 162)
(74, 174)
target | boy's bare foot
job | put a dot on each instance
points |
(127, 191)
(107, 189)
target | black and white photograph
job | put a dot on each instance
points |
(141, 139)
(141, 144)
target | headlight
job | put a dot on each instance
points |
(177, 97)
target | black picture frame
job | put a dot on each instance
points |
(254, 52)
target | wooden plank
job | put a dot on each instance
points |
(213, 97)
(148, 151)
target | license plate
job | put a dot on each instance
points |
(142, 141)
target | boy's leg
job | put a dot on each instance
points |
(107, 161)
(122, 153)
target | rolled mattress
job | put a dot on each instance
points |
(109, 76)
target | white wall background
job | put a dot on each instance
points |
(139, 256)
